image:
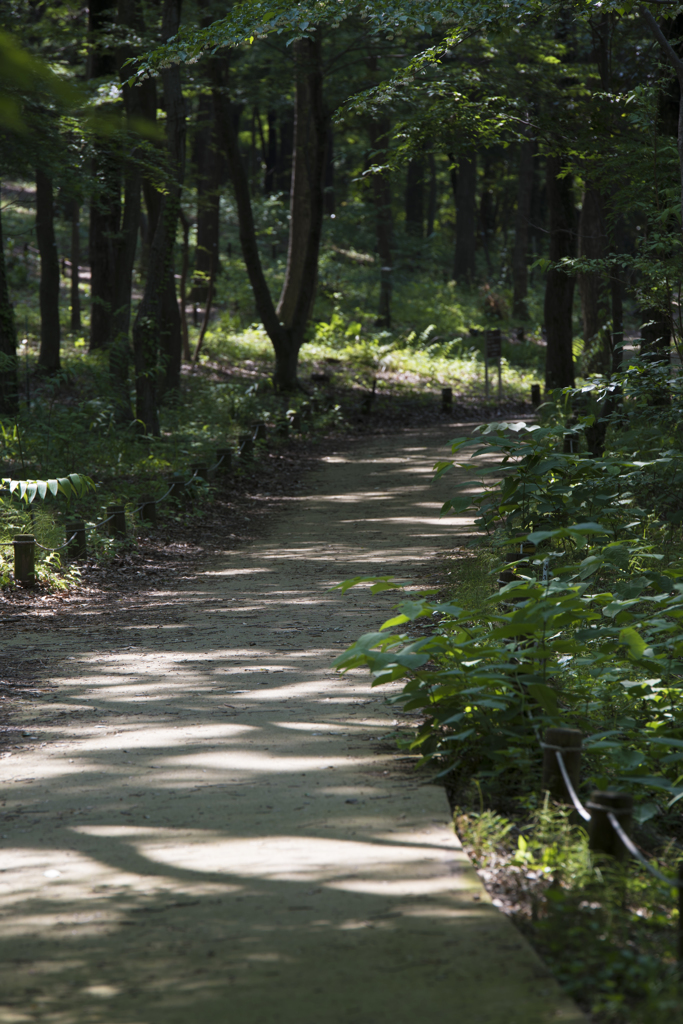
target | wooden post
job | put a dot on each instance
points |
(296, 421)
(117, 524)
(201, 469)
(535, 395)
(148, 509)
(260, 431)
(446, 399)
(177, 486)
(603, 838)
(77, 547)
(246, 448)
(25, 559)
(224, 454)
(569, 740)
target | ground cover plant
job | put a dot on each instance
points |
(581, 627)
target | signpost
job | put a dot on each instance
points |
(492, 352)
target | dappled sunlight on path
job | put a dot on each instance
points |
(209, 826)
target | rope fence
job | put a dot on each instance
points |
(608, 814)
(75, 544)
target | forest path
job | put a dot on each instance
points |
(209, 832)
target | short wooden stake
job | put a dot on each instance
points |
(117, 522)
(603, 838)
(569, 740)
(177, 486)
(446, 399)
(246, 448)
(201, 469)
(148, 509)
(535, 395)
(260, 431)
(296, 421)
(77, 547)
(25, 559)
(223, 460)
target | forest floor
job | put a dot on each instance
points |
(202, 821)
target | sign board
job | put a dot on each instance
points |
(493, 343)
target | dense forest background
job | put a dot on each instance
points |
(404, 179)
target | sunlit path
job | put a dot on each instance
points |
(208, 830)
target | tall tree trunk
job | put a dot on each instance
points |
(270, 155)
(105, 213)
(149, 320)
(592, 243)
(464, 261)
(328, 177)
(208, 199)
(306, 196)
(50, 332)
(75, 266)
(105, 203)
(525, 184)
(381, 187)
(9, 386)
(286, 349)
(559, 288)
(415, 198)
(283, 175)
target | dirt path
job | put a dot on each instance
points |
(205, 828)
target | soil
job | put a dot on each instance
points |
(201, 820)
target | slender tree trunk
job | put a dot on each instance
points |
(464, 262)
(525, 184)
(270, 156)
(105, 212)
(415, 198)
(283, 175)
(208, 200)
(306, 196)
(75, 266)
(9, 386)
(149, 320)
(50, 331)
(559, 288)
(328, 178)
(381, 187)
(617, 296)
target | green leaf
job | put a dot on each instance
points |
(544, 696)
(634, 641)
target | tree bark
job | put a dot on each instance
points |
(306, 196)
(415, 198)
(270, 155)
(105, 204)
(208, 199)
(559, 288)
(328, 178)
(105, 212)
(381, 188)
(464, 262)
(75, 266)
(154, 317)
(9, 385)
(525, 184)
(50, 331)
